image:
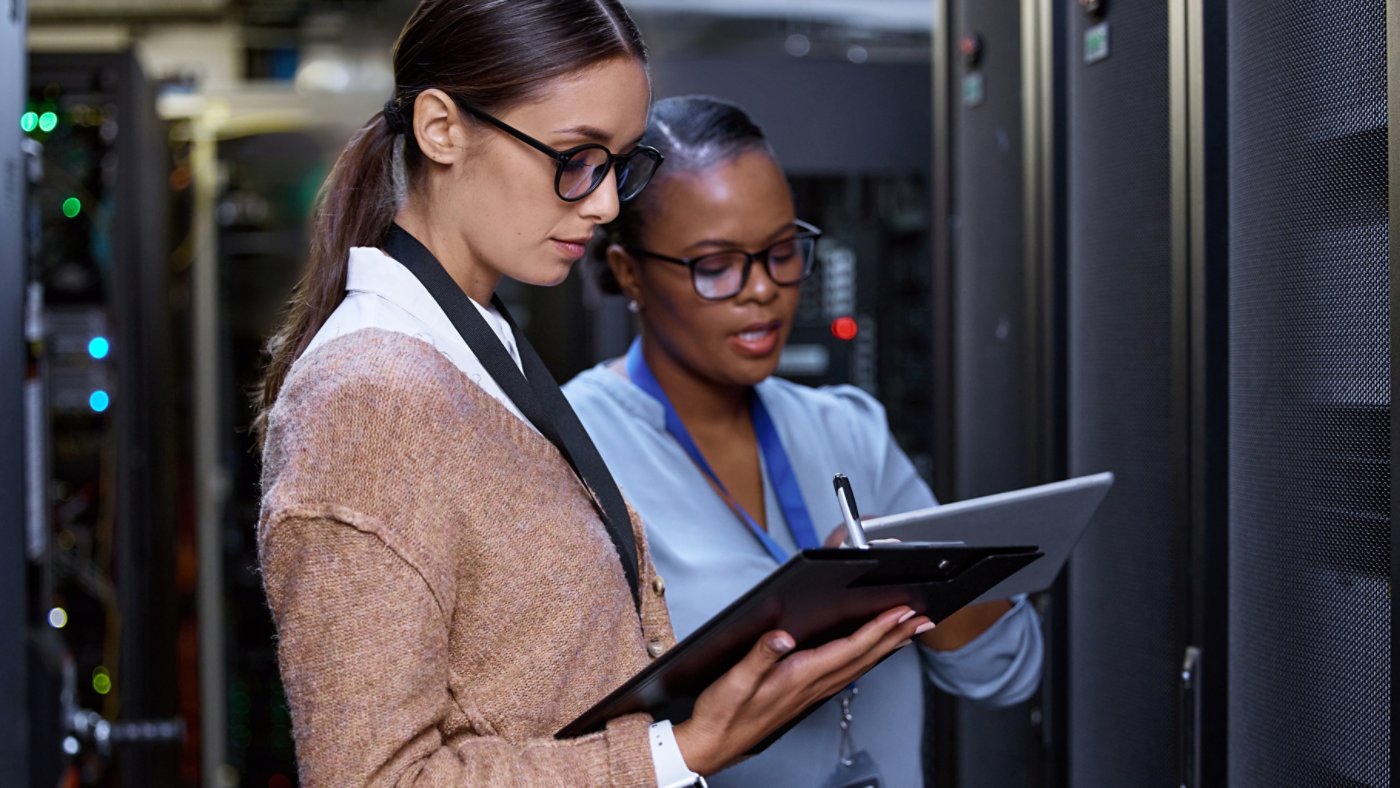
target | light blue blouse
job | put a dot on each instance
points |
(708, 558)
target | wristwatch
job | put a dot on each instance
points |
(670, 765)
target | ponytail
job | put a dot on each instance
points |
(355, 207)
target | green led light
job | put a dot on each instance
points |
(101, 680)
(72, 207)
(29, 121)
(48, 122)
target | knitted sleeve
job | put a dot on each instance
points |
(363, 646)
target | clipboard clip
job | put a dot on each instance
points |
(846, 499)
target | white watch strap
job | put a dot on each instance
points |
(667, 761)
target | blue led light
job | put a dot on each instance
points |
(99, 347)
(99, 400)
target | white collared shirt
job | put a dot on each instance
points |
(381, 293)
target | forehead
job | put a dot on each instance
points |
(743, 200)
(610, 98)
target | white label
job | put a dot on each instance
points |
(36, 475)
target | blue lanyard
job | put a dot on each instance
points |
(780, 473)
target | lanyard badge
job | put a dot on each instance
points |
(854, 768)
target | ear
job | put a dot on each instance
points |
(438, 126)
(624, 269)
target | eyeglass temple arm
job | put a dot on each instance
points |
(514, 132)
(661, 257)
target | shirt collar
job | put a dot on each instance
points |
(372, 271)
(641, 404)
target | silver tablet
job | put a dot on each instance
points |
(1050, 516)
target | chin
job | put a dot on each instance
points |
(751, 372)
(542, 276)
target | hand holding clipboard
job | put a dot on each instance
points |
(841, 607)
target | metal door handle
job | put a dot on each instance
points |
(1190, 744)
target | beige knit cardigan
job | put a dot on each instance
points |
(446, 596)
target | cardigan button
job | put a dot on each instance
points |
(655, 649)
(658, 585)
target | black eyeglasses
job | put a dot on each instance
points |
(581, 169)
(720, 275)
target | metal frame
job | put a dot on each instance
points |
(942, 745)
(942, 191)
(1044, 213)
(1200, 371)
(1044, 282)
(210, 475)
(14, 640)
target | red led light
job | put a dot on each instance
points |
(845, 328)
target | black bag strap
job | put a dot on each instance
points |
(535, 392)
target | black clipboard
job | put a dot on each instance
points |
(816, 596)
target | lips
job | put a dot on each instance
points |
(573, 248)
(757, 339)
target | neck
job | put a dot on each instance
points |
(451, 250)
(701, 403)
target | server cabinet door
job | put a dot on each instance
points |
(990, 332)
(1127, 579)
(993, 337)
(1310, 357)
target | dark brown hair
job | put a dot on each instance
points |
(494, 54)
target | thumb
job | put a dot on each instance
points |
(749, 672)
(770, 648)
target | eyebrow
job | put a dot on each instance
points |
(592, 133)
(724, 243)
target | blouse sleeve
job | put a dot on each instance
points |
(999, 667)
(344, 601)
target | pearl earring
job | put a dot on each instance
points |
(633, 306)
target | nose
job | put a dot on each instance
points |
(602, 205)
(760, 287)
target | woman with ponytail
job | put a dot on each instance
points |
(453, 572)
(730, 467)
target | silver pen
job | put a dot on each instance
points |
(855, 532)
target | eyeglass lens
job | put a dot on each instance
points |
(587, 168)
(724, 274)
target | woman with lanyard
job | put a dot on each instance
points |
(730, 468)
(452, 570)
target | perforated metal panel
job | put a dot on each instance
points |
(1309, 698)
(1127, 577)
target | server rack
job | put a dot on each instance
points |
(1226, 212)
(101, 607)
